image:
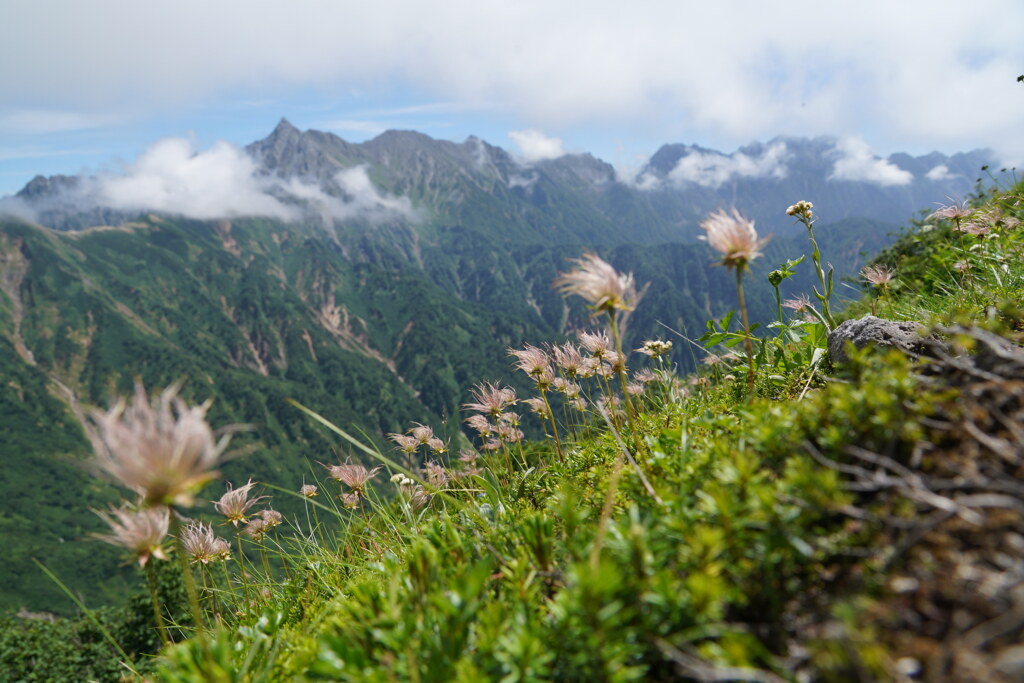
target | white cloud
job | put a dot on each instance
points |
(940, 172)
(365, 201)
(9, 204)
(171, 176)
(481, 156)
(44, 121)
(727, 73)
(534, 146)
(857, 162)
(712, 169)
(525, 182)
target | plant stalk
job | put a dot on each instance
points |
(155, 599)
(746, 332)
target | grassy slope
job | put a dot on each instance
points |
(764, 550)
(242, 312)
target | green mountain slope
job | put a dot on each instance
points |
(834, 519)
(373, 331)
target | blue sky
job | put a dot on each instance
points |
(90, 86)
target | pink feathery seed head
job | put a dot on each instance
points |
(235, 503)
(163, 449)
(544, 380)
(141, 531)
(350, 500)
(538, 407)
(490, 399)
(568, 358)
(798, 304)
(480, 424)
(590, 367)
(468, 456)
(598, 344)
(422, 433)
(599, 283)
(437, 446)
(355, 476)
(877, 275)
(954, 211)
(509, 433)
(531, 360)
(616, 361)
(221, 549)
(308, 490)
(509, 419)
(256, 528)
(419, 498)
(405, 443)
(634, 388)
(570, 389)
(644, 376)
(271, 517)
(975, 228)
(202, 545)
(436, 475)
(734, 237)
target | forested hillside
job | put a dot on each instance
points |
(793, 508)
(251, 312)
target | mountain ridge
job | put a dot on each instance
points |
(442, 258)
(472, 183)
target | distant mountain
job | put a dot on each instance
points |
(841, 177)
(575, 198)
(392, 277)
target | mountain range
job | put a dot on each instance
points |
(374, 282)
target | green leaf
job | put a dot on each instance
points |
(727, 320)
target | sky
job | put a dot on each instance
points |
(92, 87)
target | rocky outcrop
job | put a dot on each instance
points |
(905, 336)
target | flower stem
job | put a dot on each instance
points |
(187, 577)
(621, 372)
(241, 568)
(746, 332)
(826, 290)
(227, 584)
(778, 306)
(554, 426)
(154, 597)
(963, 248)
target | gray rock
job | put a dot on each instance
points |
(1010, 662)
(905, 336)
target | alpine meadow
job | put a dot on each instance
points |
(356, 402)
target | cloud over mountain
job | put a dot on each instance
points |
(534, 145)
(173, 177)
(856, 162)
(712, 169)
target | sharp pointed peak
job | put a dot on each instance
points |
(284, 127)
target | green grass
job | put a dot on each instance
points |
(752, 548)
